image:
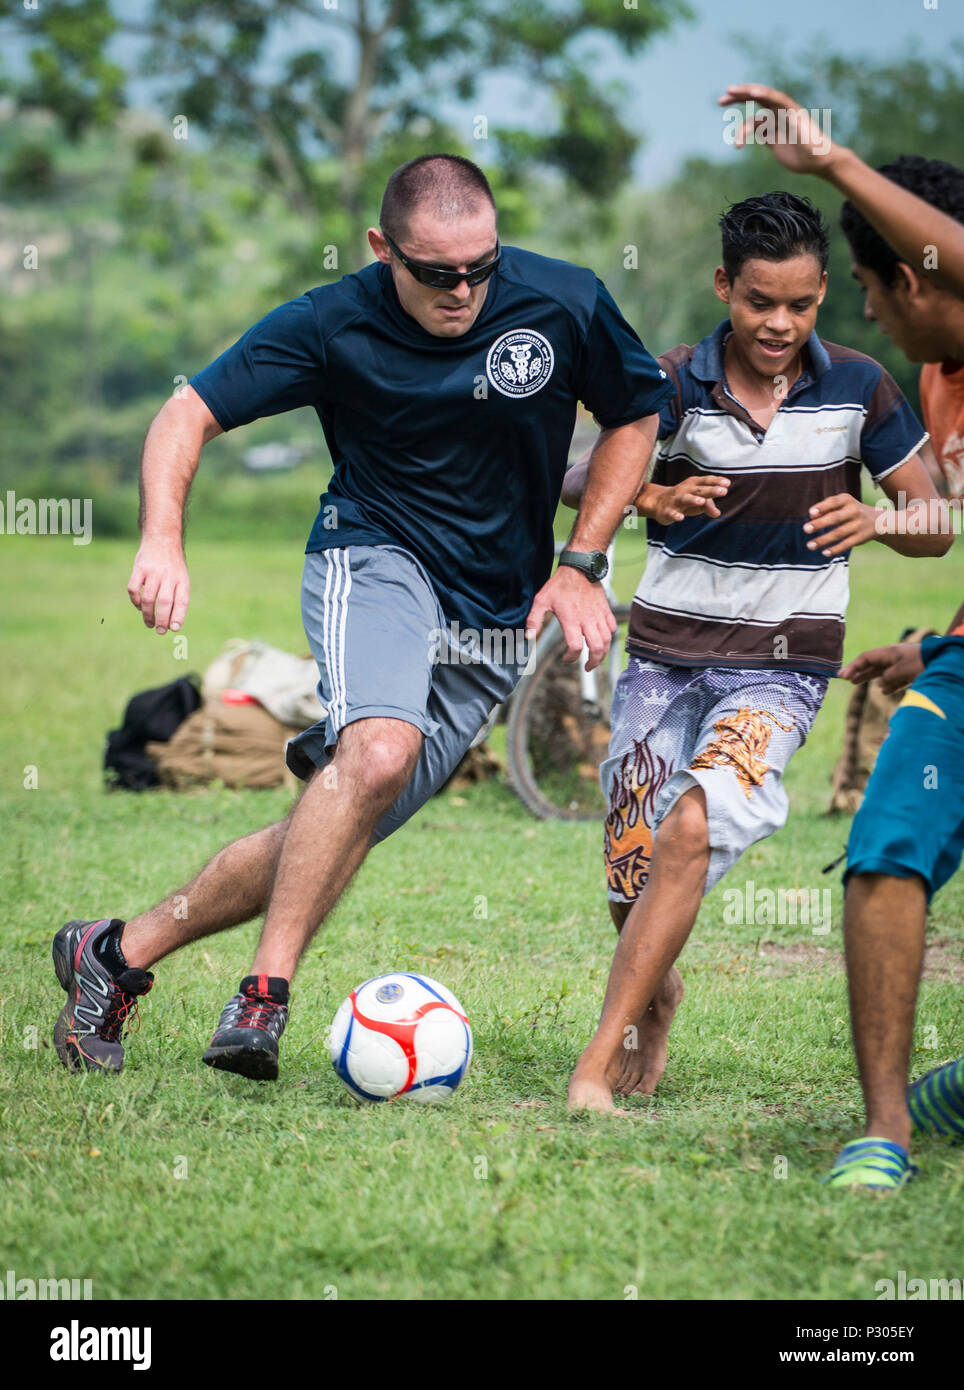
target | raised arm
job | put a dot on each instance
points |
(907, 223)
(159, 586)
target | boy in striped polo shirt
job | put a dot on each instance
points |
(738, 622)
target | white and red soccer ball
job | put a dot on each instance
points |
(401, 1035)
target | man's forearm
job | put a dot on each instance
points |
(907, 223)
(169, 461)
(958, 619)
(159, 586)
(613, 481)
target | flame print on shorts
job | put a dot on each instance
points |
(628, 837)
(742, 744)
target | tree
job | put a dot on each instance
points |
(365, 82)
(881, 108)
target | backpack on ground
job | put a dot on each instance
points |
(238, 744)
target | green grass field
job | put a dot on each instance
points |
(174, 1181)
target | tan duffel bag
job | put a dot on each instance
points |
(241, 745)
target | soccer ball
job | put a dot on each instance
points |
(401, 1035)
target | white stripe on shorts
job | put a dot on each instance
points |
(342, 623)
(330, 631)
(325, 642)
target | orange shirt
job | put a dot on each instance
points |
(942, 399)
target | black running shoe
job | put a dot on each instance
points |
(87, 1033)
(246, 1038)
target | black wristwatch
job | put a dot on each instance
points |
(593, 564)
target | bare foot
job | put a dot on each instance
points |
(590, 1090)
(643, 1066)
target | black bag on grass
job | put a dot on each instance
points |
(150, 717)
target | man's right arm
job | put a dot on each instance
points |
(159, 586)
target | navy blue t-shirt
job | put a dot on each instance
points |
(452, 448)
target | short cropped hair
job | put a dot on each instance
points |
(772, 227)
(937, 182)
(448, 185)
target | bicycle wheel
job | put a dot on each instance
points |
(558, 729)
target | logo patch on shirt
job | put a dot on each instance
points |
(520, 362)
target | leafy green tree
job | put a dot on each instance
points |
(910, 104)
(880, 108)
(365, 81)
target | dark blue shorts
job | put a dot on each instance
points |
(912, 817)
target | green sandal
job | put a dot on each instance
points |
(873, 1163)
(936, 1101)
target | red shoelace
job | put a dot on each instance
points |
(256, 1011)
(122, 1007)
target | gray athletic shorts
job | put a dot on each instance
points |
(385, 649)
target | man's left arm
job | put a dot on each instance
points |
(615, 474)
(920, 523)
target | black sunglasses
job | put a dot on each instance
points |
(440, 277)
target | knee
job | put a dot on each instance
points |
(684, 832)
(381, 761)
(876, 893)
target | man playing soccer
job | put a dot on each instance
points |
(738, 622)
(446, 377)
(894, 867)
